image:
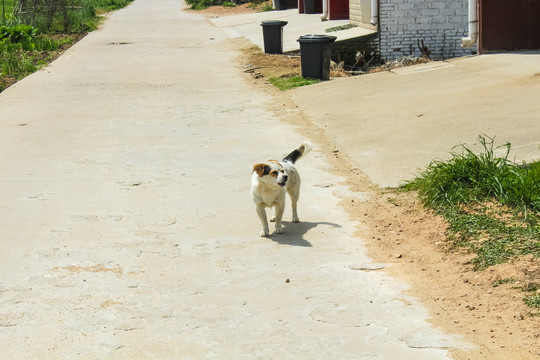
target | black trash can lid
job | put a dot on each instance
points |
(274, 23)
(316, 39)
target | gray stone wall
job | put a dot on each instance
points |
(440, 24)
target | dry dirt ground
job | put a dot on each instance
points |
(399, 230)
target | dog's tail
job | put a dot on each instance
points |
(302, 150)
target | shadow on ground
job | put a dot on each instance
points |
(294, 233)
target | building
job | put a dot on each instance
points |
(447, 28)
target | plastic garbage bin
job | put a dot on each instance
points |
(309, 7)
(273, 36)
(280, 4)
(315, 56)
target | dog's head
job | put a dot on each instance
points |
(271, 173)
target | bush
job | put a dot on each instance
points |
(66, 16)
(16, 64)
(17, 34)
(469, 177)
(291, 82)
(492, 204)
(203, 4)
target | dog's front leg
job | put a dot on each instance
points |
(280, 208)
(261, 211)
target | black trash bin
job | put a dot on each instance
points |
(309, 7)
(280, 4)
(315, 56)
(273, 36)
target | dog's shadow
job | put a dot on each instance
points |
(294, 233)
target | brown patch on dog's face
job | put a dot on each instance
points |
(261, 169)
(273, 168)
(271, 173)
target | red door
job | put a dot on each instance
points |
(509, 25)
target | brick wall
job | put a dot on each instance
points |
(439, 23)
(346, 50)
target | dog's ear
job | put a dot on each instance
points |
(261, 169)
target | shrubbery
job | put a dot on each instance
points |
(17, 34)
(54, 16)
(492, 204)
(31, 31)
(203, 4)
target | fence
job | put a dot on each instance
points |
(47, 15)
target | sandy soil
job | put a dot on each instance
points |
(400, 231)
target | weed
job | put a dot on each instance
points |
(468, 177)
(17, 64)
(491, 204)
(503, 281)
(267, 7)
(288, 82)
(203, 4)
(17, 34)
(532, 301)
(341, 27)
(24, 48)
(54, 16)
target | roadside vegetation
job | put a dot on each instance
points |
(262, 5)
(33, 33)
(291, 82)
(491, 204)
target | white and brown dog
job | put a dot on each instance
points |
(269, 183)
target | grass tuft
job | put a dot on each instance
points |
(291, 82)
(341, 27)
(492, 204)
(471, 178)
(532, 301)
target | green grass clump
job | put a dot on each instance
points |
(468, 177)
(341, 27)
(532, 301)
(291, 82)
(203, 4)
(503, 281)
(492, 204)
(17, 64)
(20, 59)
(31, 35)
(58, 16)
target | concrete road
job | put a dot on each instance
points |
(127, 227)
(393, 124)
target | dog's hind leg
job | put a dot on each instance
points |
(295, 195)
(261, 211)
